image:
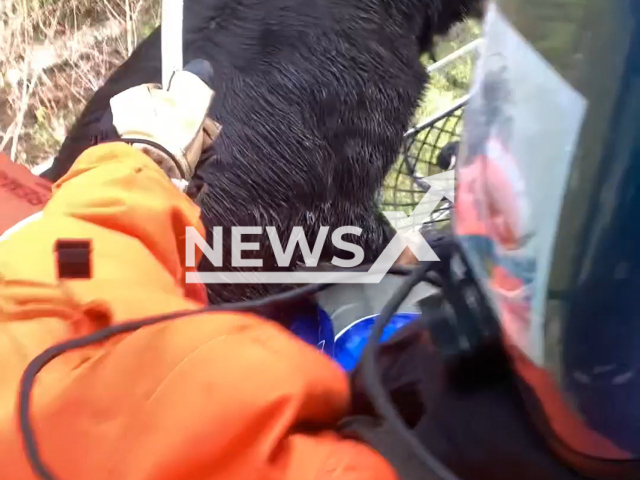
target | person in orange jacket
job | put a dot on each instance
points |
(224, 395)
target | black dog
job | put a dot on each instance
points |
(313, 96)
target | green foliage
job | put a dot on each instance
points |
(450, 84)
(146, 29)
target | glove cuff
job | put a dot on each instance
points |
(161, 156)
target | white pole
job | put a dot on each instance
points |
(469, 47)
(42, 167)
(172, 11)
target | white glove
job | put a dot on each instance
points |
(171, 126)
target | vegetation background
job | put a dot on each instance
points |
(55, 53)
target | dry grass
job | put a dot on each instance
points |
(54, 54)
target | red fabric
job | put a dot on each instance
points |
(21, 193)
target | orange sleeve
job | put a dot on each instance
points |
(222, 396)
(136, 220)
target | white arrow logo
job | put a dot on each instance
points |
(441, 185)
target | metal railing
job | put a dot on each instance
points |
(471, 47)
(406, 184)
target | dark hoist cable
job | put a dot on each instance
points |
(373, 381)
(30, 443)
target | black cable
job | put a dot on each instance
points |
(39, 362)
(373, 381)
(157, 146)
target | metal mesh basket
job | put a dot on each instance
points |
(405, 185)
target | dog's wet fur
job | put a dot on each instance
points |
(314, 97)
